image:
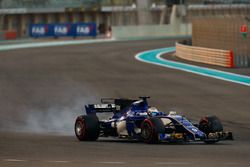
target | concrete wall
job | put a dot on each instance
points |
(151, 31)
(175, 28)
(143, 12)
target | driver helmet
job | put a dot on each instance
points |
(153, 111)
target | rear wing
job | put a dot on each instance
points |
(100, 108)
(109, 105)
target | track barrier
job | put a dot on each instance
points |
(8, 35)
(224, 58)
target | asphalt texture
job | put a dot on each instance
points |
(42, 90)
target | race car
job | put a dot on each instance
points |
(136, 120)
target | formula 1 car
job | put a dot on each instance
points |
(136, 120)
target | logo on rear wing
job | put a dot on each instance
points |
(99, 108)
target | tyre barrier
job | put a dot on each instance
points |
(224, 58)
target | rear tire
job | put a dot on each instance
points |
(150, 130)
(87, 128)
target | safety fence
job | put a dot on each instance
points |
(224, 58)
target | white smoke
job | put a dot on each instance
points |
(51, 122)
(55, 120)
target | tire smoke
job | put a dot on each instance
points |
(53, 121)
(52, 112)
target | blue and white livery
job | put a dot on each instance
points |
(136, 120)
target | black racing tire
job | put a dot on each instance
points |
(210, 124)
(87, 128)
(150, 130)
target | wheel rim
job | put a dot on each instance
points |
(80, 128)
(147, 131)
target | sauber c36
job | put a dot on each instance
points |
(136, 120)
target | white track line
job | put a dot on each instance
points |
(59, 161)
(52, 43)
(14, 160)
(110, 162)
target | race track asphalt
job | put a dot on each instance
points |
(42, 90)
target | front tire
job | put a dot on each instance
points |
(150, 130)
(210, 124)
(87, 128)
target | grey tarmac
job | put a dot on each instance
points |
(44, 89)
